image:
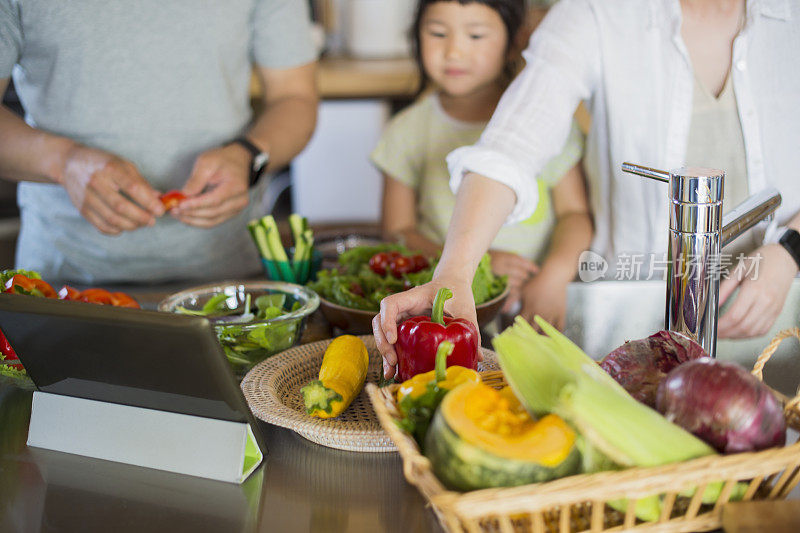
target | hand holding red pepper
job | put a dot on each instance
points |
(419, 337)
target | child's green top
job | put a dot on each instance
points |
(413, 149)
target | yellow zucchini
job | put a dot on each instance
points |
(343, 371)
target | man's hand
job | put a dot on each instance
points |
(547, 298)
(413, 302)
(761, 297)
(517, 268)
(217, 188)
(108, 191)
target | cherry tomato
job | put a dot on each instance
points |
(401, 265)
(171, 199)
(69, 293)
(355, 288)
(394, 254)
(420, 262)
(96, 296)
(379, 262)
(120, 299)
(20, 284)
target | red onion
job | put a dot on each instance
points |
(723, 404)
(640, 365)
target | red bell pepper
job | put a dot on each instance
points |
(20, 284)
(121, 299)
(419, 337)
(7, 353)
(69, 293)
(96, 296)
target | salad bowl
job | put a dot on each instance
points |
(253, 319)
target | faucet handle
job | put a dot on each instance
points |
(647, 172)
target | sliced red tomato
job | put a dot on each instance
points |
(96, 296)
(20, 284)
(171, 199)
(69, 293)
(120, 299)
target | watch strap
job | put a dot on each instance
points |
(790, 240)
(255, 152)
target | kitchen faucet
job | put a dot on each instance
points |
(697, 233)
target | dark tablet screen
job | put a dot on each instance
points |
(126, 356)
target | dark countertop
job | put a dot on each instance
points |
(301, 486)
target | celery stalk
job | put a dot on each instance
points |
(274, 239)
(259, 235)
(298, 225)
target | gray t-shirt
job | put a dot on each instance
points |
(156, 82)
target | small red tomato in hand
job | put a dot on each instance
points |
(69, 293)
(379, 262)
(96, 296)
(401, 265)
(419, 262)
(171, 199)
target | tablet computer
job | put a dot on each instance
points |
(135, 357)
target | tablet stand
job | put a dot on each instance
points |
(175, 442)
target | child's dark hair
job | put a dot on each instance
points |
(512, 13)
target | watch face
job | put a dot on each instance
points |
(260, 161)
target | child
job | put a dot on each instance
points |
(465, 52)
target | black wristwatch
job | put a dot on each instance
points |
(790, 240)
(259, 160)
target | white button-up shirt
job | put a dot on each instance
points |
(627, 61)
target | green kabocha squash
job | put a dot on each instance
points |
(482, 438)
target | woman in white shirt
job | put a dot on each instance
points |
(637, 66)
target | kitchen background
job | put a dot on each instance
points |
(365, 76)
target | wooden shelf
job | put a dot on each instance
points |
(344, 77)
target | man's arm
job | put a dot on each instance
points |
(95, 180)
(28, 154)
(290, 112)
(219, 181)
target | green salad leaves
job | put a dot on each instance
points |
(353, 284)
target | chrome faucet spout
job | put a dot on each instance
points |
(760, 206)
(697, 233)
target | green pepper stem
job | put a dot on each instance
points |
(442, 353)
(437, 313)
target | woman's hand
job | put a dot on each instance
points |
(546, 297)
(760, 297)
(217, 188)
(518, 269)
(108, 191)
(413, 302)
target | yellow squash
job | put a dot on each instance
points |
(343, 371)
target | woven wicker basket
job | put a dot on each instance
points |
(578, 503)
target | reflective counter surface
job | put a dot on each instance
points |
(301, 486)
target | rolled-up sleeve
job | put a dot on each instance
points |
(10, 37)
(534, 116)
(282, 34)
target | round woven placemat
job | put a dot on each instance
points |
(272, 389)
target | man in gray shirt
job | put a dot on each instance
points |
(126, 100)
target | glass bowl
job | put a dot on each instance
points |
(248, 343)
